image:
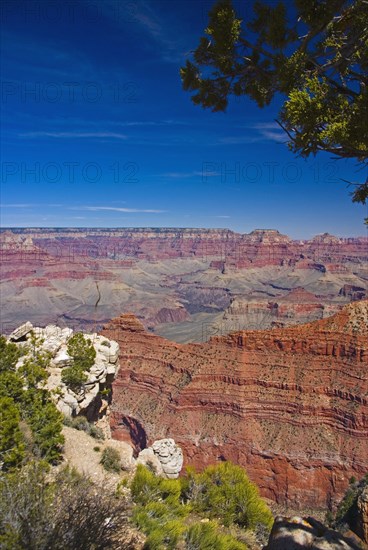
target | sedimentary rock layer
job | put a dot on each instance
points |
(288, 404)
(176, 280)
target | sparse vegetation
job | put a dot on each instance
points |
(68, 512)
(168, 511)
(77, 422)
(347, 508)
(81, 423)
(110, 460)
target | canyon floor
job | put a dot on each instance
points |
(184, 284)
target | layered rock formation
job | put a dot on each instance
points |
(174, 279)
(290, 405)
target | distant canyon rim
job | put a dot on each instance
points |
(183, 284)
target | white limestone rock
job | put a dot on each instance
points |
(54, 340)
(21, 331)
(61, 359)
(148, 458)
(170, 456)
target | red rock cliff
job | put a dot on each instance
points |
(290, 405)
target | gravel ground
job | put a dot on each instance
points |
(79, 453)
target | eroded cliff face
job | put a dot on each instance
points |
(290, 405)
(175, 279)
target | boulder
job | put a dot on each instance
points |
(297, 533)
(61, 359)
(170, 456)
(148, 458)
(362, 505)
(21, 331)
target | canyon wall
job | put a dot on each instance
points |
(184, 284)
(290, 405)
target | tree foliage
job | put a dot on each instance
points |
(314, 53)
(81, 350)
(9, 355)
(347, 511)
(11, 440)
(25, 399)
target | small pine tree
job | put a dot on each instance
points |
(11, 440)
(82, 351)
(9, 354)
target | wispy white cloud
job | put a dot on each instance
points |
(223, 217)
(271, 125)
(270, 131)
(195, 173)
(118, 209)
(239, 140)
(255, 132)
(275, 135)
(112, 135)
(150, 22)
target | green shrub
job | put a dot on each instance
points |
(96, 432)
(110, 460)
(9, 354)
(97, 449)
(205, 536)
(225, 491)
(160, 512)
(145, 486)
(165, 536)
(74, 377)
(81, 423)
(11, 439)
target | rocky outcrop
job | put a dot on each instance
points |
(53, 341)
(362, 505)
(297, 533)
(164, 457)
(290, 405)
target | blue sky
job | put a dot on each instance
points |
(97, 132)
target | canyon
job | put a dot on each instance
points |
(183, 284)
(243, 347)
(289, 404)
